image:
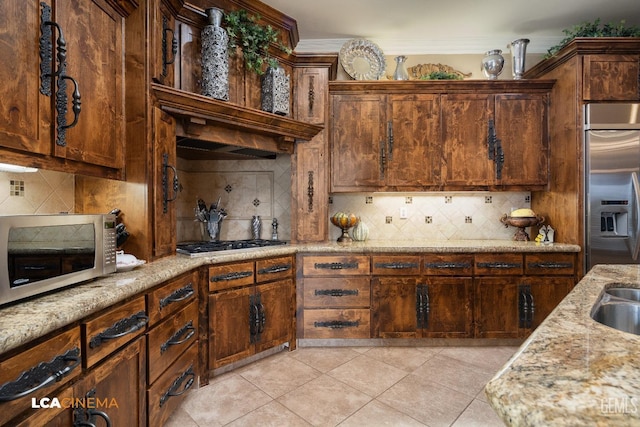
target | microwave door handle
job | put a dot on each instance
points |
(636, 215)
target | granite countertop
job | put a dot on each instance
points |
(573, 370)
(31, 319)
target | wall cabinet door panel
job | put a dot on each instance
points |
(465, 125)
(359, 142)
(414, 150)
(611, 77)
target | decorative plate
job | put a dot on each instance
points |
(130, 266)
(362, 59)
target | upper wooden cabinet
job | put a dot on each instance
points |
(611, 78)
(401, 136)
(63, 102)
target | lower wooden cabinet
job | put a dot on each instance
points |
(251, 308)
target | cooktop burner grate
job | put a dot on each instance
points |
(190, 248)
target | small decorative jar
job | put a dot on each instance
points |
(401, 69)
(275, 91)
(492, 64)
(360, 232)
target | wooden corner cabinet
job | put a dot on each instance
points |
(63, 103)
(586, 70)
(469, 135)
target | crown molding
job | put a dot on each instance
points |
(453, 45)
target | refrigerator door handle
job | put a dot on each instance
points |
(636, 216)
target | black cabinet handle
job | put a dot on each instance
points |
(165, 183)
(40, 376)
(447, 265)
(419, 307)
(178, 295)
(85, 416)
(231, 276)
(390, 137)
(336, 292)
(310, 191)
(176, 339)
(499, 264)
(174, 389)
(120, 328)
(526, 306)
(336, 266)
(275, 269)
(499, 159)
(174, 45)
(550, 265)
(396, 265)
(336, 324)
(491, 140)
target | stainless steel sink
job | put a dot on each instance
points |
(619, 308)
(632, 294)
(620, 315)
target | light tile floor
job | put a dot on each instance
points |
(351, 386)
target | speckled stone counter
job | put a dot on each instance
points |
(573, 370)
(31, 319)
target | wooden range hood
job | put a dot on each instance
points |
(215, 129)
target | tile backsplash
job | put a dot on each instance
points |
(245, 187)
(41, 192)
(433, 216)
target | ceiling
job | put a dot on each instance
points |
(446, 27)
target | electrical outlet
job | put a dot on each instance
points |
(403, 213)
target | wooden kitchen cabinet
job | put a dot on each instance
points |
(163, 41)
(39, 121)
(410, 303)
(400, 136)
(611, 77)
(519, 124)
(251, 308)
(334, 296)
(515, 293)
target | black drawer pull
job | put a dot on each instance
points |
(335, 265)
(550, 264)
(499, 264)
(187, 329)
(336, 324)
(40, 376)
(231, 276)
(177, 296)
(275, 269)
(120, 328)
(174, 388)
(397, 265)
(447, 265)
(83, 415)
(336, 292)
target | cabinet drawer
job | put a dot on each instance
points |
(340, 265)
(498, 264)
(274, 269)
(111, 330)
(171, 338)
(448, 265)
(52, 364)
(549, 264)
(345, 323)
(230, 276)
(172, 297)
(337, 292)
(408, 265)
(169, 390)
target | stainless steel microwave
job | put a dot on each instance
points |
(42, 253)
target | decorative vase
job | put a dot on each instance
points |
(492, 64)
(275, 91)
(256, 227)
(518, 53)
(215, 60)
(401, 69)
(360, 232)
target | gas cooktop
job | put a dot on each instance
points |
(204, 247)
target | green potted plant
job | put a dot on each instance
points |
(253, 40)
(594, 29)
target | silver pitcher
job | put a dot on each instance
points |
(518, 54)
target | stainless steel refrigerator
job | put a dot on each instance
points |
(612, 167)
